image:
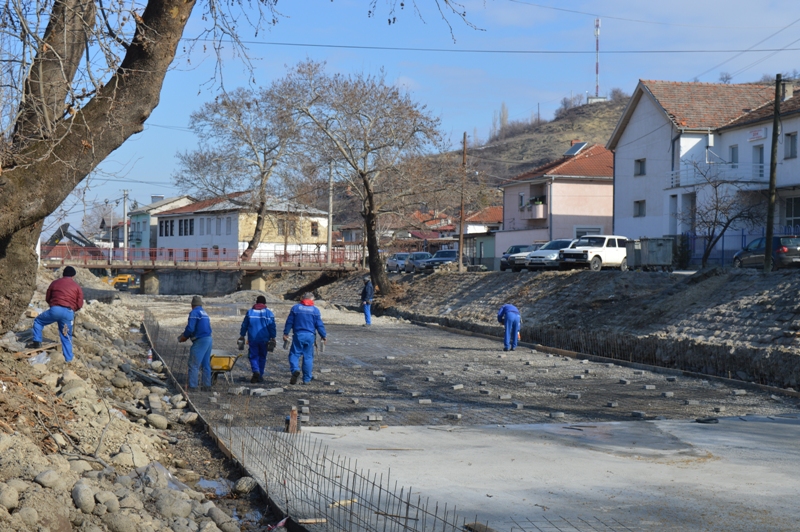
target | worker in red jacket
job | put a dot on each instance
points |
(65, 298)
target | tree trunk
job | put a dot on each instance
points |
(376, 268)
(42, 173)
(261, 216)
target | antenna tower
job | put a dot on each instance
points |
(597, 57)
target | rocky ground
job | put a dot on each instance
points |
(103, 443)
(748, 319)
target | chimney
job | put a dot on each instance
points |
(787, 90)
(574, 142)
(156, 197)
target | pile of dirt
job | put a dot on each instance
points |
(103, 443)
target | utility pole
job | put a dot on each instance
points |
(330, 212)
(773, 175)
(125, 225)
(286, 233)
(461, 221)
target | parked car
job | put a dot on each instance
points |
(414, 262)
(397, 262)
(596, 252)
(785, 253)
(505, 263)
(547, 255)
(443, 256)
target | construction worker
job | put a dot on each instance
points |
(508, 315)
(65, 298)
(367, 294)
(305, 320)
(259, 326)
(198, 329)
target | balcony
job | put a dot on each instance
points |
(135, 236)
(703, 173)
(533, 212)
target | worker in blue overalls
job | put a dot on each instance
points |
(198, 329)
(259, 326)
(305, 320)
(508, 315)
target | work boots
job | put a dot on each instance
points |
(33, 345)
(255, 378)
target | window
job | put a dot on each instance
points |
(521, 200)
(180, 227)
(191, 226)
(172, 228)
(282, 225)
(228, 225)
(209, 229)
(314, 228)
(793, 212)
(639, 208)
(219, 226)
(640, 167)
(202, 226)
(790, 146)
(621, 242)
(611, 243)
(161, 228)
(734, 156)
(758, 161)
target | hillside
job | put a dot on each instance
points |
(546, 142)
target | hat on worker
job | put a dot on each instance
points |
(197, 301)
(69, 271)
(262, 300)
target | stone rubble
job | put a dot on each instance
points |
(82, 444)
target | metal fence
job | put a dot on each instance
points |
(731, 242)
(102, 257)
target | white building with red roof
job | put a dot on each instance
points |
(673, 133)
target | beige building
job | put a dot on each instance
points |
(220, 229)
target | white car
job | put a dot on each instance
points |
(516, 261)
(596, 252)
(547, 255)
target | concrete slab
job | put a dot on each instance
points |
(739, 474)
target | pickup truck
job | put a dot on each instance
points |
(595, 252)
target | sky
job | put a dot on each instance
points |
(523, 54)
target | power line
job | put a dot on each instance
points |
(758, 61)
(756, 44)
(494, 51)
(658, 23)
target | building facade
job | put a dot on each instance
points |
(567, 198)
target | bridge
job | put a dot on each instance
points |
(177, 271)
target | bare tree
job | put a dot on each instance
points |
(245, 136)
(367, 128)
(78, 78)
(725, 77)
(618, 95)
(719, 204)
(567, 103)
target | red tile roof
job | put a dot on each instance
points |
(766, 111)
(489, 215)
(595, 161)
(707, 105)
(424, 235)
(203, 204)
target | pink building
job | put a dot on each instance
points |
(566, 198)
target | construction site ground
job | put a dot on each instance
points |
(553, 442)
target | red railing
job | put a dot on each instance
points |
(231, 258)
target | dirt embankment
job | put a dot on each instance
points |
(94, 445)
(731, 323)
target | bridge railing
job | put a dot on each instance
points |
(103, 257)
